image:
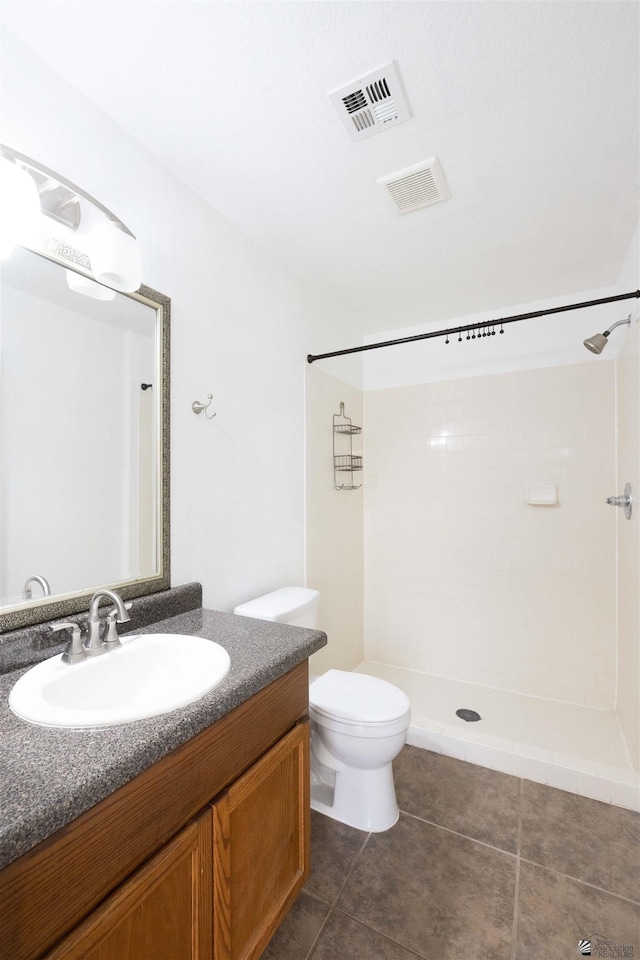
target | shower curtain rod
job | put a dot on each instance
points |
(473, 326)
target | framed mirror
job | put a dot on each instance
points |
(84, 440)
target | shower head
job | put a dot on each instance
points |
(598, 341)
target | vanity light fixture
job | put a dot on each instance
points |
(19, 207)
(115, 257)
(81, 284)
(29, 190)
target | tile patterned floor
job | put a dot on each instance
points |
(480, 866)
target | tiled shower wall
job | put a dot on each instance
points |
(464, 579)
(335, 526)
(628, 412)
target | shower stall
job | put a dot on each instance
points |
(478, 598)
(496, 577)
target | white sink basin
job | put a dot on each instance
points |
(146, 676)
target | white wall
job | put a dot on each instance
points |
(241, 329)
(334, 524)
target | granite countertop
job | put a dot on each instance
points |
(50, 776)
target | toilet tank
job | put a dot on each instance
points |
(296, 606)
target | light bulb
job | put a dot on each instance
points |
(115, 257)
(20, 212)
(81, 284)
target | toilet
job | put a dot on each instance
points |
(358, 726)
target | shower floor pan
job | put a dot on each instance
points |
(565, 745)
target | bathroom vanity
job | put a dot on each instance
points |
(183, 836)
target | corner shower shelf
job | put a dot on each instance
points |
(344, 459)
(347, 462)
(349, 428)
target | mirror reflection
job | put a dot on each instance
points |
(79, 428)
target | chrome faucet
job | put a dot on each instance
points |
(26, 590)
(94, 645)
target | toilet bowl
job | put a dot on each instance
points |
(358, 726)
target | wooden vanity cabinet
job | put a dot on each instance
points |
(163, 911)
(239, 878)
(261, 848)
(197, 858)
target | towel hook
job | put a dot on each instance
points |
(198, 407)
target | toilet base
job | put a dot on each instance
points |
(364, 799)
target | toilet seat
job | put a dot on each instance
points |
(358, 700)
(363, 731)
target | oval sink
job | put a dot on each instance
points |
(146, 676)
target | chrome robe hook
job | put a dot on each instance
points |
(198, 407)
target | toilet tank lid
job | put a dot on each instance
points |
(357, 697)
(281, 605)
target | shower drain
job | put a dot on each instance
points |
(468, 715)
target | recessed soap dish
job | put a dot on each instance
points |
(542, 496)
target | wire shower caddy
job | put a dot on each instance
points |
(344, 459)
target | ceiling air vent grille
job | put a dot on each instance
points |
(372, 103)
(363, 120)
(355, 101)
(385, 112)
(378, 90)
(417, 186)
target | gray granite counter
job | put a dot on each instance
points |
(48, 777)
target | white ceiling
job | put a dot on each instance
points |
(531, 107)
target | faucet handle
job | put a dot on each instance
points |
(74, 651)
(112, 639)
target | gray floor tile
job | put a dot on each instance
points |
(473, 800)
(444, 896)
(334, 846)
(294, 937)
(591, 841)
(555, 912)
(345, 939)
(400, 759)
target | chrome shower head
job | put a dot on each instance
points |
(598, 341)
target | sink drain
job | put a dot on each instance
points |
(468, 715)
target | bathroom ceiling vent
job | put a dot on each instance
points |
(372, 103)
(417, 186)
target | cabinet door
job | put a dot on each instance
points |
(162, 911)
(261, 848)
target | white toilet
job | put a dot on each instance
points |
(358, 726)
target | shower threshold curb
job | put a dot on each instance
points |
(618, 786)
